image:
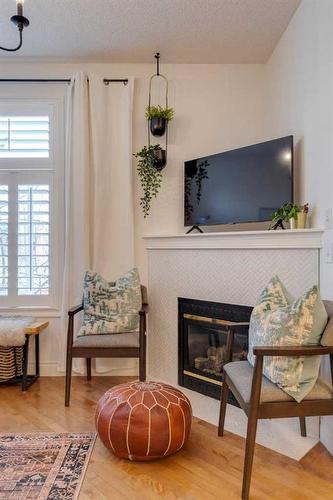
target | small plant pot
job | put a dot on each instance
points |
(293, 223)
(160, 159)
(301, 220)
(158, 126)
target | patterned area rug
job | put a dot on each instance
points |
(43, 466)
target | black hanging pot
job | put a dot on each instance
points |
(158, 126)
(160, 159)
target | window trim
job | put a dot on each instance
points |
(38, 170)
(35, 107)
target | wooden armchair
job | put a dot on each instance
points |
(264, 399)
(124, 345)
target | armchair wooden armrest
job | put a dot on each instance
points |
(235, 325)
(75, 309)
(291, 350)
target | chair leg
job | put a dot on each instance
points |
(142, 362)
(249, 453)
(142, 367)
(223, 407)
(88, 369)
(302, 425)
(68, 378)
(252, 426)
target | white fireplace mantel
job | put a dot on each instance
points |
(300, 238)
(230, 267)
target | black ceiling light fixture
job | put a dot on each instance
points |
(20, 22)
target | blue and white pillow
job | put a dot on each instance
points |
(279, 320)
(111, 307)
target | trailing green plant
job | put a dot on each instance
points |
(150, 177)
(285, 213)
(159, 112)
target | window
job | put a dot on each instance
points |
(24, 136)
(33, 231)
(31, 204)
(3, 239)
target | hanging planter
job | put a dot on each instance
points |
(150, 174)
(158, 126)
(160, 158)
(158, 118)
(153, 157)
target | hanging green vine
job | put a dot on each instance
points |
(150, 177)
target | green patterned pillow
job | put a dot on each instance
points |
(276, 320)
(110, 307)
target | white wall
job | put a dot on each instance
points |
(217, 107)
(226, 106)
(299, 83)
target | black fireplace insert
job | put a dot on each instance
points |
(210, 334)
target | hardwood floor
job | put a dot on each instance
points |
(207, 468)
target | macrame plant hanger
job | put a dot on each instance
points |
(158, 127)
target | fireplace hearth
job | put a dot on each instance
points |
(210, 334)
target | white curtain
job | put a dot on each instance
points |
(112, 202)
(99, 230)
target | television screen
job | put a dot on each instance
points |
(243, 185)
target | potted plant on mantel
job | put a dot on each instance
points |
(292, 213)
(302, 216)
(158, 118)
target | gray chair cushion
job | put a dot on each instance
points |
(241, 373)
(130, 339)
(327, 337)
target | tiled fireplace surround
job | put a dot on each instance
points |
(230, 267)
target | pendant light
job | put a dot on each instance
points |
(20, 22)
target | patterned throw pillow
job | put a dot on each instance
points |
(276, 320)
(110, 307)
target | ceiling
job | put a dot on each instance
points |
(184, 31)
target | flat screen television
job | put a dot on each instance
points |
(242, 185)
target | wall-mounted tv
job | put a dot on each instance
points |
(242, 185)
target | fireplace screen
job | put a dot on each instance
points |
(205, 345)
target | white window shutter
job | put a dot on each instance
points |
(33, 239)
(24, 137)
(3, 240)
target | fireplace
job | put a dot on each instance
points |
(210, 334)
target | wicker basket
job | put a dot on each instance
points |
(11, 361)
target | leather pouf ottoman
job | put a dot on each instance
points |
(143, 420)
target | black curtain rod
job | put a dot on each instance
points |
(53, 80)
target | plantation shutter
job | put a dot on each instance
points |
(24, 137)
(33, 239)
(3, 239)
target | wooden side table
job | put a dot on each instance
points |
(32, 330)
(21, 357)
